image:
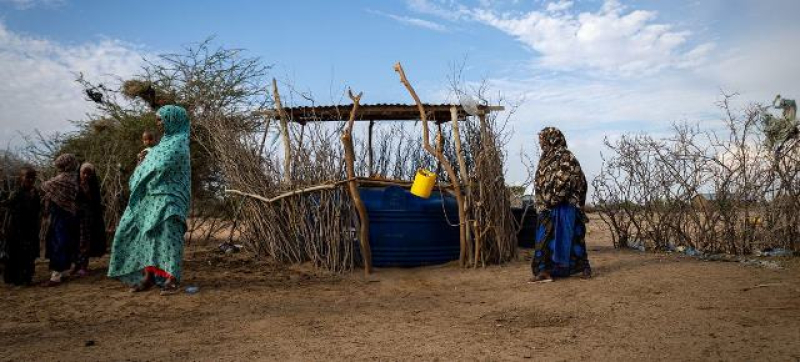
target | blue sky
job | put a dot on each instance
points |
(594, 68)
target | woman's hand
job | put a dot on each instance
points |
(142, 155)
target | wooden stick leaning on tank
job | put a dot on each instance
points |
(462, 230)
(349, 155)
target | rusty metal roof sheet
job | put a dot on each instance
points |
(378, 112)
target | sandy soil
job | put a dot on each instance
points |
(639, 307)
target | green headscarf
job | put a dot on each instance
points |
(166, 170)
(150, 232)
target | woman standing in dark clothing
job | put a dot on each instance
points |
(22, 230)
(61, 233)
(560, 195)
(92, 241)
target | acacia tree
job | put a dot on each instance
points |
(219, 87)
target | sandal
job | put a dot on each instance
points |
(587, 274)
(170, 288)
(541, 278)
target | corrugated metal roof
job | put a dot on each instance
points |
(378, 112)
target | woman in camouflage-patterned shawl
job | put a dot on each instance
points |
(560, 195)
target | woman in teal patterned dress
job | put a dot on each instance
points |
(148, 245)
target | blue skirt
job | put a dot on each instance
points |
(560, 247)
(62, 239)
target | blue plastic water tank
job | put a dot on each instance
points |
(526, 237)
(408, 231)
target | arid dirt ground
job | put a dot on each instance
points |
(640, 306)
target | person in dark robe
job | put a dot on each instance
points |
(92, 241)
(61, 229)
(22, 229)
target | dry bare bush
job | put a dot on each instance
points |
(719, 191)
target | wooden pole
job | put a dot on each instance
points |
(349, 155)
(442, 160)
(330, 186)
(479, 231)
(264, 138)
(462, 166)
(287, 146)
(370, 170)
(439, 146)
(302, 132)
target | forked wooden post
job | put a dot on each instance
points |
(349, 156)
(442, 160)
(462, 167)
(287, 146)
(480, 231)
(370, 170)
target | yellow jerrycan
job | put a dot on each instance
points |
(423, 184)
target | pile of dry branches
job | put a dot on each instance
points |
(723, 191)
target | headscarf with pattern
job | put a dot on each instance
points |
(62, 190)
(559, 177)
(90, 189)
(150, 232)
(166, 170)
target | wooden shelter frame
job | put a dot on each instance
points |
(437, 113)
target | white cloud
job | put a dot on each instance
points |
(39, 90)
(582, 78)
(558, 6)
(417, 22)
(760, 65)
(29, 4)
(445, 9)
(612, 40)
(589, 109)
